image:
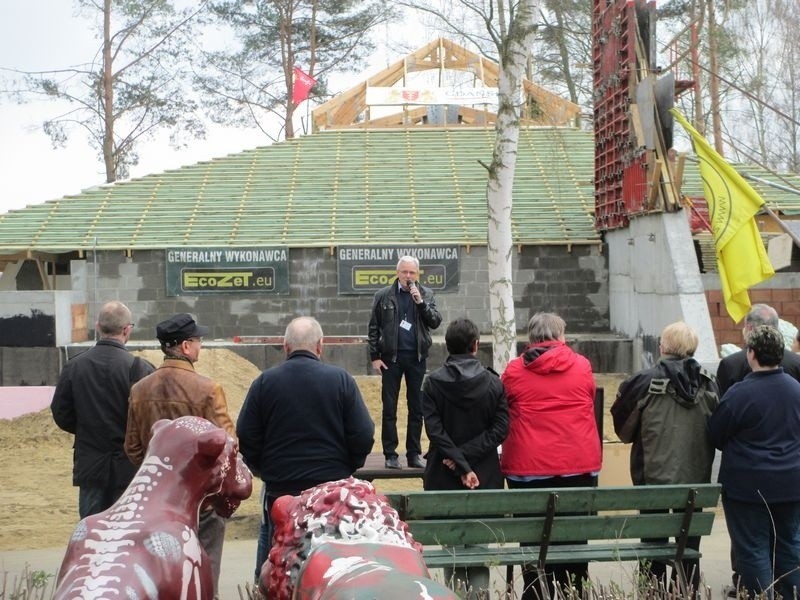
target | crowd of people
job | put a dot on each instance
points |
(304, 422)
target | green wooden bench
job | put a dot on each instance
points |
(609, 519)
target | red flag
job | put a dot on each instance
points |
(303, 82)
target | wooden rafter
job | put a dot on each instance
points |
(343, 110)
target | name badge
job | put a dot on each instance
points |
(405, 325)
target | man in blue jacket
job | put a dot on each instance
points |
(302, 423)
(756, 428)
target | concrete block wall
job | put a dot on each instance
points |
(35, 318)
(555, 278)
(29, 366)
(570, 281)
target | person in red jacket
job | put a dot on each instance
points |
(553, 439)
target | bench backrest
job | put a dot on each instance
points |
(577, 514)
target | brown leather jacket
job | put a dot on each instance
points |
(174, 390)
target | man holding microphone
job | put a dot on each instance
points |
(399, 338)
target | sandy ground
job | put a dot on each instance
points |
(36, 493)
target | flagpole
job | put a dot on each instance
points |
(784, 188)
(308, 116)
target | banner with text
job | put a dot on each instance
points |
(366, 269)
(387, 96)
(192, 271)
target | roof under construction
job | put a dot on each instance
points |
(359, 181)
(425, 185)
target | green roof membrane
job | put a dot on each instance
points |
(326, 189)
(343, 187)
(331, 188)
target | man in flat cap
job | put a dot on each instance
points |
(175, 390)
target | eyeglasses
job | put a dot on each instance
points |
(195, 339)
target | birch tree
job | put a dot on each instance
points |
(510, 27)
(513, 51)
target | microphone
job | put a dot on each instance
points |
(410, 283)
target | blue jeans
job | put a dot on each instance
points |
(93, 500)
(211, 533)
(414, 371)
(265, 532)
(267, 528)
(763, 534)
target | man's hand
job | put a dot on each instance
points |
(378, 365)
(470, 480)
(416, 295)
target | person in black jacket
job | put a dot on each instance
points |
(399, 338)
(91, 402)
(466, 419)
(302, 423)
(466, 416)
(733, 368)
(756, 428)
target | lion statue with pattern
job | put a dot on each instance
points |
(342, 540)
(145, 546)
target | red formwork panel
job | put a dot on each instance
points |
(621, 183)
(699, 219)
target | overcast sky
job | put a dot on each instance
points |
(46, 34)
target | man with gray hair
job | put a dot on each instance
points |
(734, 367)
(553, 440)
(91, 402)
(302, 423)
(399, 338)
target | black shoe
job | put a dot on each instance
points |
(392, 463)
(415, 461)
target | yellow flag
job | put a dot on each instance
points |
(732, 205)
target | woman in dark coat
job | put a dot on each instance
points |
(466, 419)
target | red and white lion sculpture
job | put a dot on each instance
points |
(145, 546)
(342, 540)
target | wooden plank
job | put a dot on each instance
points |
(373, 469)
(515, 555)
(453, 532)
(457, 503)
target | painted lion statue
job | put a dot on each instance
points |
(145, 546)
(342, 540)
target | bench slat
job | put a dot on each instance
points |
(609, 518)
(565, 528)
(512, 555)
(457, 503)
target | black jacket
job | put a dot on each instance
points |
(733, 368)
(466, 419)
(91, 402)
(304, 422)
(384, 323)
